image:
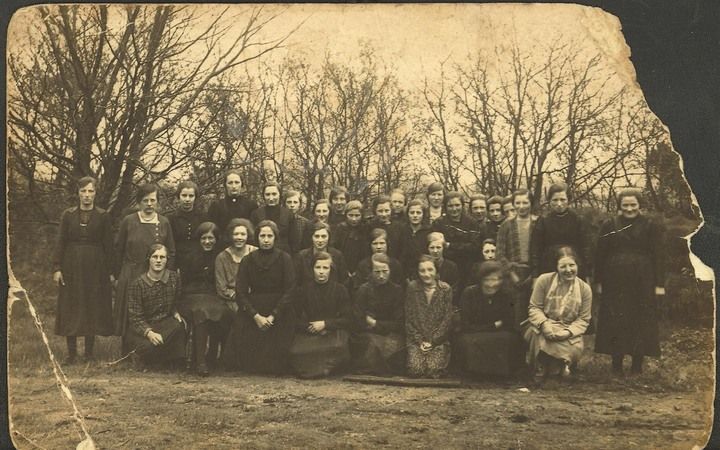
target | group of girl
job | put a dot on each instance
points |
(264, 289)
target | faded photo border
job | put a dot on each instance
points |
(678, 78)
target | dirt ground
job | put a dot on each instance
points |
(127, 408)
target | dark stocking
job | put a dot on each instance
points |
(637, 363)
(89, 346)
(213, 349)
(200, 341)
(617, 363)
(71, 346)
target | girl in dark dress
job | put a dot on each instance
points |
(629, 273)
(339, 197)
(561, 227)
(495, 215)
(428, 316)
(263, 327)
(435, 196)
(283, 217)
(82, 272)
(293, 202)
(350, 236)
(397, 203)
(234, 205)
(156, 332)
(185, 220)
(378, 244)
(138, 231)
(463, 235)
(323, 313)
(488, 343)
(207, 314)
(378, 347)
(304, 259)
(415, 232)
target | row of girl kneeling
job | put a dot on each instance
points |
(266, 323)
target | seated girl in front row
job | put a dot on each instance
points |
(323, 314)
(378, 346)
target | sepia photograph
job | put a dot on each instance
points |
(346, 226)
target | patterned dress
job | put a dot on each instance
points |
(428, 321)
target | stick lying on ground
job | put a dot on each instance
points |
(401, 381)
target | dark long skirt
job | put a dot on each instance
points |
(128, 273)
(84, 305)
(199, 308)
(252, 350)
(319, 355)
(628, 314)
(173, 346)
(378, 354)
(490, 352)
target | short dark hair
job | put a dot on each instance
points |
(353, 204)
(376, 233)
(555, 188)
(630, 192)
(239, 222)
(319, 225)
(567, 251)
(477, 197)
(339, 190)
(321, 256)
(84, 181)
(451, 195)
(266, 223)
(380, 258)
(272, 184)
(152, 249)
(488, 267)
(187, 184)
(417, 202)
(434, 187)
(206, 227)
(495, 199)
(521, 192)
(144, 190)
(490, 241)
(379, 200)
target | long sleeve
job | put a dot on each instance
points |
(288, 271)
(579, 325)
(441, 334)
(120, 243)
(242, 288)
(412, 326)
(169, 242)
(224, 279)
(61, 241)
(107, 239)
(602, 250)
(585, 245)
(393, 325)
(537, 245)
(136, 313)
(536, 313)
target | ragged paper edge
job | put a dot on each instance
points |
(16, 293)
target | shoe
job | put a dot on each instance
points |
(202, 370)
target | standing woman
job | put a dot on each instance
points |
(415, 232)
(629, 273)
(283, 217)
(234, 205)
(263, 328)
(138, 231)
(350, 236)
(435, 196)
(558, 316)
(185, 220)
(428, 317)
(294, 202)
(82, 272)
(560, 227)
(207, 313)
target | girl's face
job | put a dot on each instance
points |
(320, 239)
(491, 283)
(293, 203)
(322, 212)
(567, 268)
(509, 210)
(496, 212)
(435, 199)
(488, 252)
(397, 202)
(233, 185)
(87, 195)
(522, 205)
(148, 204)
(427, 272)
(353, 217)
(239, 236)
(382, 212)
(454, 208)
(478, 209)
(379, 245)
(559, 202)
(187, 199)
(435, 249)
(380, 272)
(271, 196)
(338, 203)
(630, 207)
(415, 215)
(321, 270)
(158, 260)
(266, 238)
(207, 241)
